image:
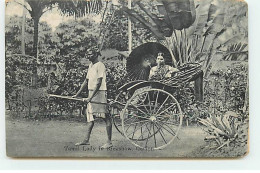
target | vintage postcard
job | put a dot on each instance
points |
(126, 78)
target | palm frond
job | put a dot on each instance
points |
(82, 8)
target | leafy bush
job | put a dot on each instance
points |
(72, 40)
(18, 71)
(116, 77)
(226, 89)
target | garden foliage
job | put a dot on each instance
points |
(67, 45)
(203, 34)
(227, 132)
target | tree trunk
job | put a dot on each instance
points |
(35, 36)
(198, 88)
(178, 46)
(23, 31)
(35, 49)
(245, 107)
(129, 30)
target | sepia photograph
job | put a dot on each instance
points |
(126, 79)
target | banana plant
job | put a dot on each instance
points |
(195, 31)
(218, 25)
(235, 51)
(171, 15)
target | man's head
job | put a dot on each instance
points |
(160, 59)
(93, 54)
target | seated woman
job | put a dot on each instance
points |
(161, 71)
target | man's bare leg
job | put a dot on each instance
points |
(109, 132)
(90, 126)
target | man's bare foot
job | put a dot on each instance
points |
(82, 143)
(107, 145)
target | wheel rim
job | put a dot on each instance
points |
(117, 119)
(151, 119)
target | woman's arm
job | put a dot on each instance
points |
(171, 70)
(152, 73)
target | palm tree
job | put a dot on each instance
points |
(78, 8)
(37, 8)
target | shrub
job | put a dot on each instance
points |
(226, 132)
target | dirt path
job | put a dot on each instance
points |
(57, 139)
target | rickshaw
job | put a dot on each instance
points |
(145, 112)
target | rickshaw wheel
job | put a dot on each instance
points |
(122, 98)
(151, 119)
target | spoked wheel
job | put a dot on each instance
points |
(122, 98)
(151, 119)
